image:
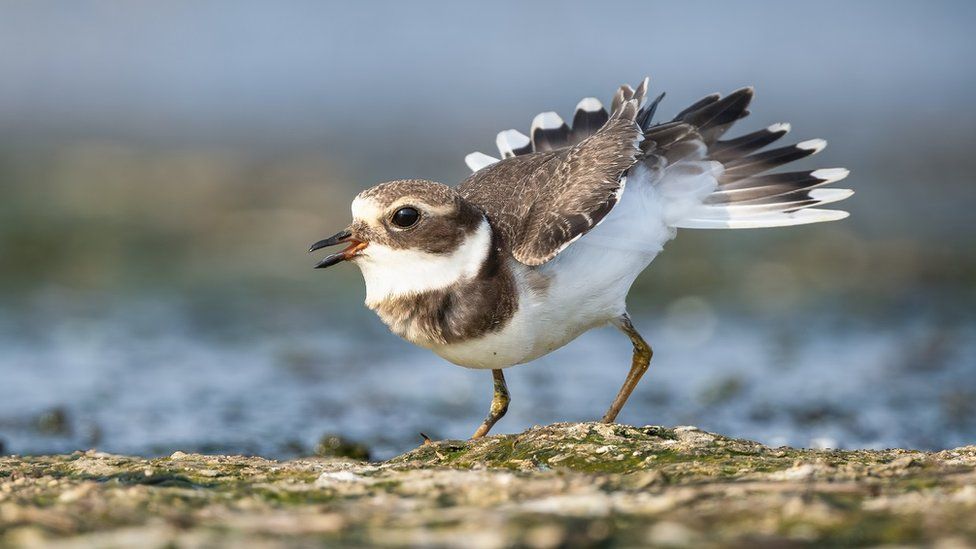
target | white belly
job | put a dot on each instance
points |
(590, 279)
(543, 323)
(588, 284)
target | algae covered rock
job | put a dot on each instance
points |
(558, 485)
(341, 447)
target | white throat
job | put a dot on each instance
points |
(391, 272)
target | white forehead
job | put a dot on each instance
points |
(365, 209)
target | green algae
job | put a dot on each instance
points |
(550, 486)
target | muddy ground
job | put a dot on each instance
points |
(559, 485)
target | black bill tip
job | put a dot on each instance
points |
(338, 238)
(331, 260)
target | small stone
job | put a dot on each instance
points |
(800, 471)
(178, 455)
(25, 536)
(330, 477)
(544, 537)
(693, 436)
(605, 430)
(670, 533)
(905, 462)
(645, 479)
(75, 493)
(965, 495)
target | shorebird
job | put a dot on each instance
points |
(539, 246)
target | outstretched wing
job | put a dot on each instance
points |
(540, 202)
(746, 195)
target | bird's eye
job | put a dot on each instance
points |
(405, 217)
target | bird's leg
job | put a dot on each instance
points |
(499, 405)
(639, 363)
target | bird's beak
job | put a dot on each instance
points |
(342, 237)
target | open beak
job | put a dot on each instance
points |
(342, 237)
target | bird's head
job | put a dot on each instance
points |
(411, 236)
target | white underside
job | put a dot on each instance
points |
(590, 279)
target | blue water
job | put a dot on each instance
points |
(152, 377)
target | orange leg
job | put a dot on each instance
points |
(639, 364)
(499, 405)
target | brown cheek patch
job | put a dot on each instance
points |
(438, 234)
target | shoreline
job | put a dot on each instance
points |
(557, 485)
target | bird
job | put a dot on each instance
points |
(543, 242)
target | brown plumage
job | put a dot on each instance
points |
(540, 202)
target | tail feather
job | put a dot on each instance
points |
(716, 117)
(689, 150)
(646, 114)
(770, 185)
(780, 203)
(771, 200)
(747, 196)
(700, 104)
(760, 221)
(821, 196)
(731, 149)
(757, 163)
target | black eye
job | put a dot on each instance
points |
(406, 217)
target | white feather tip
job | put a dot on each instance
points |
(589, 104)
(815, 145)
(547, 121)
(830, 175)
(478, 160)
(509, 141)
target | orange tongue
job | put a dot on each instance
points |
(353, 248)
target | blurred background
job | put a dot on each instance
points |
(164, 167)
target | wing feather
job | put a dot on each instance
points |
(555, 185)
(541, 202)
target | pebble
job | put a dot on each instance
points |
(329, 477)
